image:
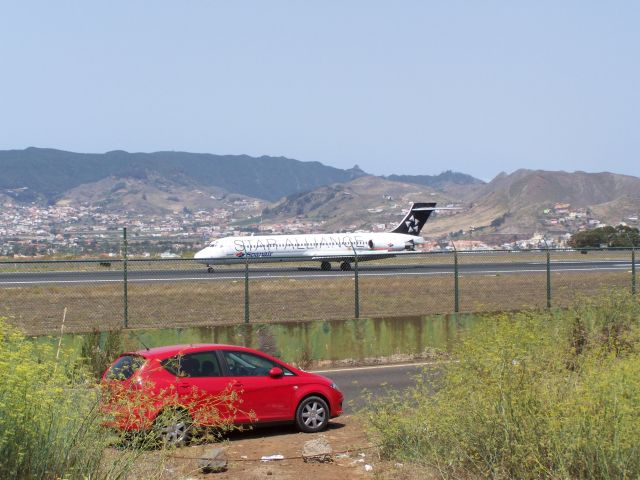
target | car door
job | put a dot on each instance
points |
(202, 388)
(268, 398)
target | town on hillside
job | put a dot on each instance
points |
(31, 230)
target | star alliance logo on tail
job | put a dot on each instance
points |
(412, 224)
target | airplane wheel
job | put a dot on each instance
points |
(345, 266)
(326, 266)
(210, 269)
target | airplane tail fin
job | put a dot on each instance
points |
(416, 218)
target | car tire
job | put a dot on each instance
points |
(312, 414)
(173, 428)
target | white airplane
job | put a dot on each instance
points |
(322, 247)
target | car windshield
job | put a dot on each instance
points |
(125, 367)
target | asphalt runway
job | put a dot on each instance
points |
(225, 273)
(378, 380)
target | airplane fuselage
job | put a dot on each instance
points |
(323, 247)
(335, 246)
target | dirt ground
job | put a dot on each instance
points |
(352, 453)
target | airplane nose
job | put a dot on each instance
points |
(201, 254)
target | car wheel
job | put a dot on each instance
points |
(312, 415)
(172, 428)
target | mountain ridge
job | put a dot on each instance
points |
(516, 202)
(519, 202)
(49, 173)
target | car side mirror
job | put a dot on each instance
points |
(276, 372)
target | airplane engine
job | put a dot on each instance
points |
(389, 246)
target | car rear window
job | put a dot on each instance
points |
(125, 367)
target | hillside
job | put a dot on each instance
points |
(151, 195)
(326, 198)
(582, 189)
(358, 204)
(624, 207)
(457, 185)
(516, 203)
(48, 174)
(511, 205)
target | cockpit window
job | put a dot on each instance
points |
(213, 244)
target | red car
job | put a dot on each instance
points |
(212, 385)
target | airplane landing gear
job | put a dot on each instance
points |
(345, 266)
(209, 269)
(326, 266)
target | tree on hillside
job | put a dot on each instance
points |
(620, 236)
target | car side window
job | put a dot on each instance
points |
(245, 364)
(199, 364)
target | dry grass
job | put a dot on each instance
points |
(38, 309)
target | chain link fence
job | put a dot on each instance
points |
(168, 293)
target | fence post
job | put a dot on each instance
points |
(456, 280)
(125, 272)
(246, 289)
(548, 276)
(357, 288)
(633, 270)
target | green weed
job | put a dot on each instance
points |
(533, 395)
(100, 349)
(50, 424)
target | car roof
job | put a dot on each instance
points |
(171, 350)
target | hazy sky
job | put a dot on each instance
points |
(407, 87)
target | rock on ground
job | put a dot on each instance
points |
(213, 460)
(317, 450)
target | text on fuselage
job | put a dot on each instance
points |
(303, 243)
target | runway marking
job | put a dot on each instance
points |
(575, 261)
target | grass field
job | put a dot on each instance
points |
(39, 309)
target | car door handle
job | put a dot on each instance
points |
(183, 385)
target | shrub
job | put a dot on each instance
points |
(49, 420)
(552, 395)
(100, 349)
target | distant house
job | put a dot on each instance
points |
(562, 206)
